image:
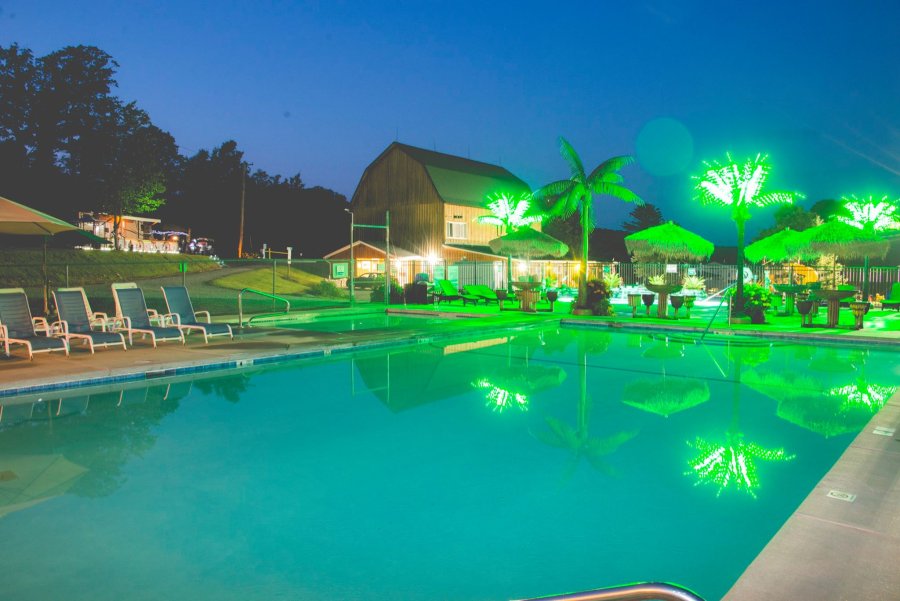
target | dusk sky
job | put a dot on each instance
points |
(321, 88)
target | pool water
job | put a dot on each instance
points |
(545, 461)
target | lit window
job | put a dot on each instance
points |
(456, 230)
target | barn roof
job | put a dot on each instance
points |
(463, 181)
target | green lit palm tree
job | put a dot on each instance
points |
(739, 186)
(576, 194)
(578, 440)
(510, 213)
(874, 217)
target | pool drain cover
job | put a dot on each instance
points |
(841, 495)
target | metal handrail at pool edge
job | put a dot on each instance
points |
(287, 303)
(643, 591)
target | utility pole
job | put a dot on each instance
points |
(240, 248)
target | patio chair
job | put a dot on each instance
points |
(482, 292)
(17, 326)
(893, 299)
(77, 321)
(182, 314)
(446, 291)
(132, 315)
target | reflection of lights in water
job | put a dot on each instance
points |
(731, 464)
(871, 396)
(500, 399)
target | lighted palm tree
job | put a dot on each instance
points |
(576, 194)
(732, 463)
(739, 186)
(510, 213)
(578, 440)
(873, 217)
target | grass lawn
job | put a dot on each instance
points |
(22, 268)
(294, 283)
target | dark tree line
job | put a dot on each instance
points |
(68, 144)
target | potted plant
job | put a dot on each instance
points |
(598, 298)
(757, 300)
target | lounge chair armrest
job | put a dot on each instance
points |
(119, 323)
(154, 315)
(199, 313)
(60, 327)
(173, 318)
(3, 333)
(41, 325)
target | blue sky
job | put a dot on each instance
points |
(323, 87)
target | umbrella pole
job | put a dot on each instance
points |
(865, 290)
(46, 283)
(509, 287)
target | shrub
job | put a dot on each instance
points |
(396, 293)
(612, 280)
(693, 282)
(325, 288)
(756, 298)
(598, 298)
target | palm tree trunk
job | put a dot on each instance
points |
(585, 234)
(738, 307)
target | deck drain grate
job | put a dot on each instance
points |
(884, 431)
(841, 495)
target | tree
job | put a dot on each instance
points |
(828, 208)
(576, 195)
(790, 216)
(509, 213)
(642, 217)
(739, 186)
(872, 216)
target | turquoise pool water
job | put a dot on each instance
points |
(513, 466)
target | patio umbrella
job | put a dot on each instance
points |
(668, 241)
(526, 243)
(783, 245)
(19, 220)
(843, 241)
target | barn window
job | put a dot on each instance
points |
(456, 229)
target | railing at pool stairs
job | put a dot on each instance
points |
(725, 296)
(274, 297)
(642, 591)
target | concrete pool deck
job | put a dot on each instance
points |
(829, 549)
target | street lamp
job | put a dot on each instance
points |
(352, 264)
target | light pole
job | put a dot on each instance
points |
(352, 265)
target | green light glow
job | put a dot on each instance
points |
(871, 396)
(871, 214)
(500, 399)
(732, 463)
(739, 185)
(510, 211)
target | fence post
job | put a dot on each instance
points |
(67, 275)
(274, 268)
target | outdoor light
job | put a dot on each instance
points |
(877, 215)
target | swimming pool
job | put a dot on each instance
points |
(510, 466)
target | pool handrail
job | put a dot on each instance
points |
(725, 295)
(286, 302)
(642, 591)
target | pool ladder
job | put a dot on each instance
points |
(287, 304)
(644, 591)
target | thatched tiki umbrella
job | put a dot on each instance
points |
(668, 242)
(843, 241)
(527, 243)
(783, 245)
(19, 220)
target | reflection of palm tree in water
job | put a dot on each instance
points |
(577, 440)
(732, 463)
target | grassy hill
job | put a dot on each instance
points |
(22, 268)
(297, 283)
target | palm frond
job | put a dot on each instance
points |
(553, 189)
(776, 198)
(576, 167)
(491, 220)
(611, 166)
(616, 191)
